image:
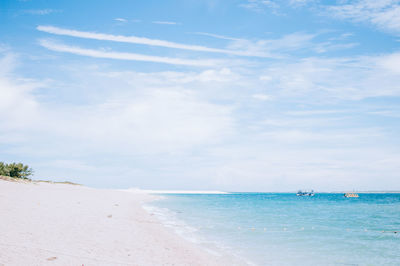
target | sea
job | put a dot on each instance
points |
(285, 229)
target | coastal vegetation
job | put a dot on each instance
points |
(20, 172)
(15, 170)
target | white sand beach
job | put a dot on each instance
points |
(60, 224)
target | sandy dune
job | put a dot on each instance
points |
(57, 224)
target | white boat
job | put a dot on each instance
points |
(350, 195)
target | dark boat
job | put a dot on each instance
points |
(305, 193)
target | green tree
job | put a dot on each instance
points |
(16, 170)
(4, 169)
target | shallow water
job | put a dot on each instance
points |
(283, 229)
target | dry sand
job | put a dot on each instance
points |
(58, 224)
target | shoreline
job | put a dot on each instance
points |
(63, 224)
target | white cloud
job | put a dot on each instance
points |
(125, 116)
(225, 127)
(137, 115)
(123, 56)
(217, 36)
(138, 40)
(390, 62)
(261, 97)
(179, 117)
(157, 122)
(165, 22)
(18, 107)
(315, 112)
(273, 47)
(173, 78)
(320, 169)
(73, 164)
(334, 79)
(266, 48)
(273, 5)
(385, 14)
(259, 5)
(297, 3)
(121, 20)
(40, 12)
(329, 46)
(287, 43)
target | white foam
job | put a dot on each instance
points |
(169, 219)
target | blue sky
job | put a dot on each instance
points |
(242, 95)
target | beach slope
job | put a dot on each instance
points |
(59, 224)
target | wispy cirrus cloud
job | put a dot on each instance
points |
(330, 79)
(381, 13)
(263, 48)
(274, 5)
(59, 47)
(40, 12)
(217, 36)
(279, 47)
(259, 5)
(121, 20)
(286, 43)
(384, 14)
(142, 40)
(166, 22)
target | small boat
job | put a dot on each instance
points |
(350, 195)
(305, 193)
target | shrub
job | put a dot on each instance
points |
(16, 170)
(3, 169)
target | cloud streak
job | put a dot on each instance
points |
(40, 12)
(121, 20)
(140, 40)
(58, 47)
(217, 36)
(165, 22)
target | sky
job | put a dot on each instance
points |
(239, 95)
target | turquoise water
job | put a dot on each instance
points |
(283, 229)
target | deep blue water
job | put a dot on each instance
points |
(283, 229)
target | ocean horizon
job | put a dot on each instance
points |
(285, 229)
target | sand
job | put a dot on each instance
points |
(59, 224)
